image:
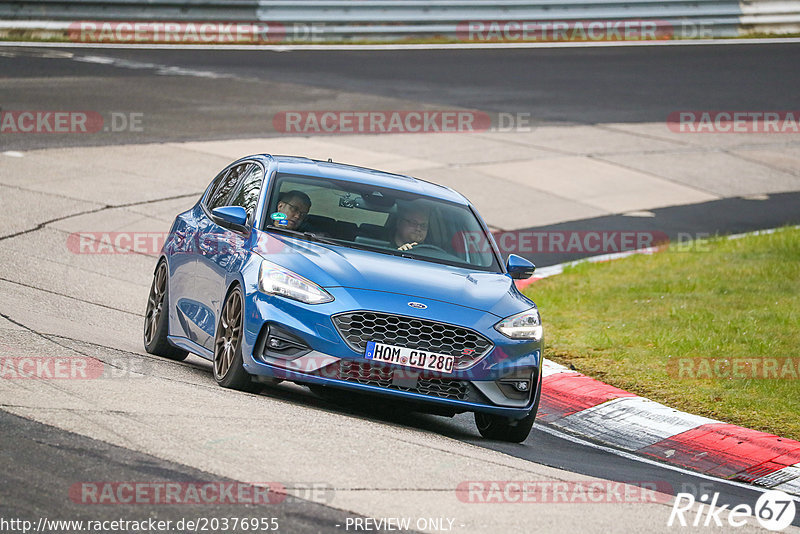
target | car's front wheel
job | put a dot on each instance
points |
(228, 362)
(504, 428)
(156, 318)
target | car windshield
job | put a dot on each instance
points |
(380, 219)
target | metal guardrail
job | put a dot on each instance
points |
(394, 11)
(222, 10)
(420, 18)
(770, 16)
(394, 20)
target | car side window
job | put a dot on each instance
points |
(214, 186)
(221, 192)
(248, 191)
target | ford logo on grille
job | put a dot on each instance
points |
(417, 305)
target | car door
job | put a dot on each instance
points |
(195, 318)
(181, 248)
(190, 319)
(221, 248)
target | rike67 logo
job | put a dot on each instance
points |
(774, 509)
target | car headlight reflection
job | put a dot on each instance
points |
(275, 280)
(524, 325)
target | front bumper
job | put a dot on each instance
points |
(317, 354)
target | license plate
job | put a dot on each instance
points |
(418, 359)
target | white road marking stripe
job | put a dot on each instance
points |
(792, 487)
(553, 270)
(631, 456)
(552, 368)
(788, 479)
(631, 423)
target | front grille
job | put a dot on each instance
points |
(448, 389)
(365, 373)
(358, 328)
(381, 376)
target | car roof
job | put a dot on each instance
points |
(351, 173)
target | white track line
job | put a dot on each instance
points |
(553, 270)
(631, 456)
(431, 46)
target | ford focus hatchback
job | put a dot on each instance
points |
(341, 277)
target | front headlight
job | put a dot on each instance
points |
(525, 325)
(275, 280)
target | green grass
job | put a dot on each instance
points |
(623, 321)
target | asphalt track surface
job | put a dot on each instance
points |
(556, 86)
(201, 94)
(42, 463)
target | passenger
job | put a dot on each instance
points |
(295, 205)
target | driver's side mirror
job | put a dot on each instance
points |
(232, 215)
(519, 268)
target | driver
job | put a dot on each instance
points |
(412, 228)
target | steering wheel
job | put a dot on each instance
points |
(428, 246)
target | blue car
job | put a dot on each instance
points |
(343, 278)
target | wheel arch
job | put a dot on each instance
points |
(234, 283)
(162, 257)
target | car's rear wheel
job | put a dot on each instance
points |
(228, 361)
(156, 318)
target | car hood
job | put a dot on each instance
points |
(339, 266)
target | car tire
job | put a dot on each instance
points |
(228, 361)
(319, 390)
(502, 428)
(156, 318)
(338, 396)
